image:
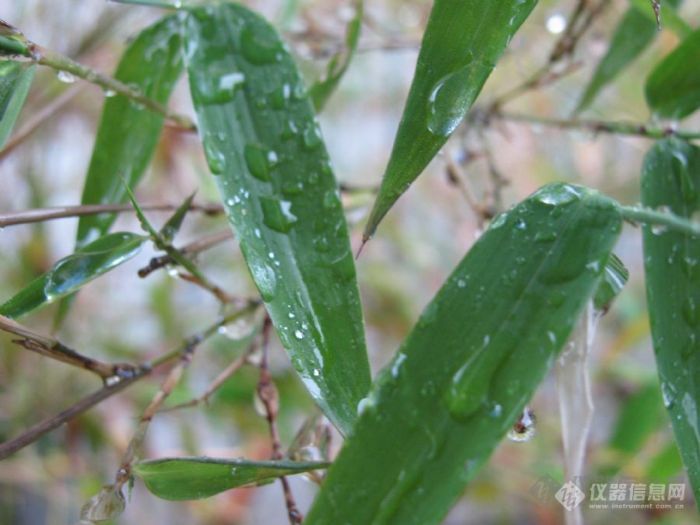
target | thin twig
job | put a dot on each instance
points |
(54, 349)
(64, 212)
(190, 249)
(601, 126)
(39, 118)
(267, 393)
(33, 433)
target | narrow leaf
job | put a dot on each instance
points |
(461, 44)
(632, 36)
(671, 179)
(321, 91)
(613, 281)
(72, 272)
(462, 377)
(673, 87)
(15, 81)
(128, 134)
(170, 228)
(201, 477)
(264, 146)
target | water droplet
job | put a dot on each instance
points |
(277, 215)
(557, 194)
(524, 428)
(469, 387)
(496, 410)
(65, 77)
(668, 394)
(316, 372)
(396, 365)
(498, 221)
(453, 95)
(216, 84)
(257, 160)
(312, 137)
(215, 157)
(691, 312)
(366, 403)
(263, 275)
(279, 99)
(109, 93)
(556, 23)
(331, 200)
(461, 283)
(259, 49)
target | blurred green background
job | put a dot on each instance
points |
(122, 317)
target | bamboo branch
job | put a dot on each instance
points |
(47, 425)
(64, 212)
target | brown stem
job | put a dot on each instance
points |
(63, 212)
(190, 249)
(54, 349)
(267, 393)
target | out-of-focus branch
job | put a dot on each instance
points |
(47, 425)
(64, 212)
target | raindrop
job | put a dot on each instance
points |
(259, 50)
(277, 215)
(556, 23)
(299, 334)
(109, 93)
(65, 77)
(215, 157)
(263, 275)
(557, 194)
(453, 95)
(257, 160)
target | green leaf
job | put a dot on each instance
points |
(673, 87)
(201, 477)
(72, 272)
(669, 17)
(15, 81)
(264, 146)
(665, 465)
(614, 280)
(170, 229)
(671, 179)
(461, 44)
(632, 36)
(479, 350)
(321, 91)
(128, 133)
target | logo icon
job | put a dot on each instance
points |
(570, 495)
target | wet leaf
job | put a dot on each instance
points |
(461, 44)
(632, 35)
(201, 477)
(671, 180)
(462, 377)
(321, 91)
(15, 81)
(128, 133)
(264, 147)
(72, 272)
(170, 228)
(673, 87)
(614, 279)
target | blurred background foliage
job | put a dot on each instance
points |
(121, 317)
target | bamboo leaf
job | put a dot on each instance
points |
(170, 228)
(632, 35)
(15, 81)
(264, 146)
(321, 91)
(462, 377)
(671, 179)
(201, 477)
(72, 272)
(128, 134)
(673, 87)
(461, 44)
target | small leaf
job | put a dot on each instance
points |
(321, 91)
(128, 134)
(264, 146)
(170, 229)
(201, 477)
(614, 280)
(632, 35)
(462, 377)
(72, 272)
(15, 81)
(461, 44)
(671, 180)
(673, 87)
